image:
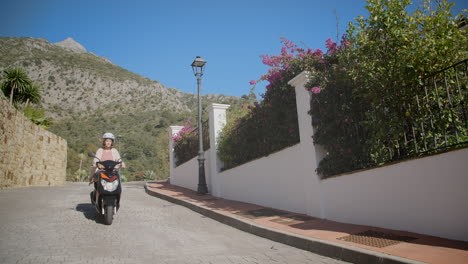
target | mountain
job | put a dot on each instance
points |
(75, 81)
(72, 45)
(88, 95)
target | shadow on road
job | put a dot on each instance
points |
(89, 212)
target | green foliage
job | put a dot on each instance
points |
(150, 175)
(123, 176)
(81, 175)
(226, 148)
(144, 136)
(143, 147)
(186, 142)
(17, 86)
(37, 116)
(387, 104)
(141, 116)
(391, 53)
(335, 115)
(32, 94)
(14, 81)
(254, 130)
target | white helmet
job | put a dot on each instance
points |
(108, 135)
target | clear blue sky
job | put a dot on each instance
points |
(160, 39)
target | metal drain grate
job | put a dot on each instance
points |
(293, 219)
(376, 239)
(259, 213)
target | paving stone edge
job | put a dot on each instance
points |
(321, 247)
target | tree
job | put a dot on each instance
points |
(372, 100)
(14, 80)
(391, 52)
(31, 94)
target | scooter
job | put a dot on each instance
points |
(107, 188)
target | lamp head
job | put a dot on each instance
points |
(198, 66)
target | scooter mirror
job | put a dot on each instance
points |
(91, 154)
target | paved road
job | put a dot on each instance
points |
(59, 225)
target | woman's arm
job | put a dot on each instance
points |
(116, 156)
(98, 156)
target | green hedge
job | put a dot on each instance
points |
(257, 129)
(186, 143)
(379, 99)
(377, 95)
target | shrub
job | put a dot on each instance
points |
(37, 115)
(186, 142)
(375, 104)
(261, 128)
(336, 113)
(375, 95)
(150, 175)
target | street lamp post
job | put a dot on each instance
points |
(198, 67)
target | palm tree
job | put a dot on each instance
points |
(14, 79)
(31, 94)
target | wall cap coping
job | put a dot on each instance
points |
(301, 78)
(174, 129)
(218, 106)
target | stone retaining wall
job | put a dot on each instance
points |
(29, 154)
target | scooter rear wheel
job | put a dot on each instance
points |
(109, 214)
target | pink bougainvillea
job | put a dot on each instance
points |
(315, 90)
(187, 129)
(291, 53)
(331, 46)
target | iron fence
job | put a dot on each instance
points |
(435, 119)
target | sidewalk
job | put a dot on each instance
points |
(352, 243)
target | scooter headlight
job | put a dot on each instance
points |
(110, 186)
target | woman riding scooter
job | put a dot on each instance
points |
(107, 184)
(106, 152)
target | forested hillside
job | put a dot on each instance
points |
(88, 95)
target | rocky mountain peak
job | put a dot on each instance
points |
(72, 45)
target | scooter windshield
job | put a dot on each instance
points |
(109, 164)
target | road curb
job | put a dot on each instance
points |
(320, 247)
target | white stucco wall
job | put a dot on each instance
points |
(186, 174)
(275, 181)
(427, 195)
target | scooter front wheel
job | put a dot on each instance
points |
(91, 195)
(109, 214)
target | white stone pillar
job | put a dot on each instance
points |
(311, 154)
(173, 130)
(217, 121)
